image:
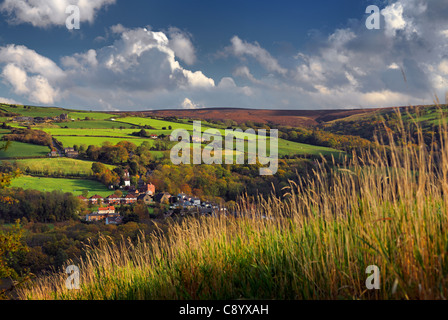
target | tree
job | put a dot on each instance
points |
(141, 209)
(10, 243)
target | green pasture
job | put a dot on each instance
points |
(57, 166)
(75, 186)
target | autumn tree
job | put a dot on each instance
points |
(10, 243)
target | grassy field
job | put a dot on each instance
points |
(93, 124)
(98, 141)
(125, 133)
(294, 148)
(74, 186)
(19, 150)
(57, 166)
(92, 115)
(31, 111)
(156, 124)
(315, 243)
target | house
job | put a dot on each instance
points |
(181, 196)
(195, 202)
(53, 154)
(113, 199)
(96, 199)
(69, 150)
(114, 220)
(163, 197)
(82, 198)
(107, 210)
(149, 188)
(154, 136)
(146, 198)
(127, 179)
(130, 198)
(104, 213)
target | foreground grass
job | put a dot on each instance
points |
(386, 207)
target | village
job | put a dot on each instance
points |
(181, 204)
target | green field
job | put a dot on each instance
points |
(57, 166)
(19, 150)
(120, 133)
(292, 148)
(30, 111)
(91, 115)
(98, 141)
(156, 124)
(93, 124)
(74, 186)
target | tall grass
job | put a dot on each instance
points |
(385, 207)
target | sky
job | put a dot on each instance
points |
(192, 54)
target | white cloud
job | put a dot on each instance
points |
(31, 74)
(188, 104)
(242, 48)
(8, 101)
(443, 67)
(16, 77)
(45, 13)
(226, 83)
(393, 66)
(139, 59)
(393, 15)
(180, 43)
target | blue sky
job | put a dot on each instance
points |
(137, 55)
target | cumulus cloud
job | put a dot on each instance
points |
(30, 74)
(242, 49)
(188, 104)
(45, 13)
(138, 63)
(180, 43)
(8, 101)
(404, 63)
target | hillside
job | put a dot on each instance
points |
(292, 118)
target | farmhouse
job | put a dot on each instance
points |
(154, 136)
(71, 153)
(53, 154)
